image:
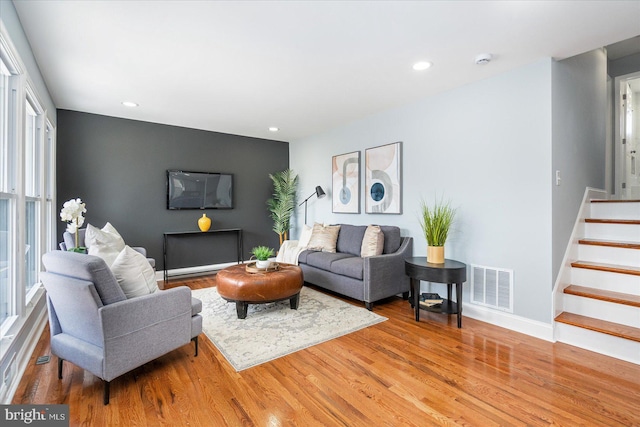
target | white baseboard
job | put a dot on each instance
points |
(510, 321)
(193, 271)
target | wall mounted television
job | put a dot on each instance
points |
(199, 190)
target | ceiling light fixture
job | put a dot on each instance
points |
(422, 65)
(274, 129)
(483, 58)
(129, 104)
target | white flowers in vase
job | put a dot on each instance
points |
(72, 213)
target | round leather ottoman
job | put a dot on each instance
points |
(237, 285)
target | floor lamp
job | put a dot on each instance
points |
(318, 193)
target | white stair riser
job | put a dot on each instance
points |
(611, 312)
(609, 255)
(600, 343)
(615, 210)
(624, 232)
(625, 283)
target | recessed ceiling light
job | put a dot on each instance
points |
(422, 65)
(274, 129)
(129, 104)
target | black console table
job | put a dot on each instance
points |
(450, 272)
(210, 233)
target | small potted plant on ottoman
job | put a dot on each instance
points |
(262, 254)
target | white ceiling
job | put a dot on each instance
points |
(306, 67)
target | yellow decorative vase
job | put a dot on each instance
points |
(435, 254)
(204, 223)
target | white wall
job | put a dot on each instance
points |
(12, 23)
(625, 65)
(579, 139)
(487, 148)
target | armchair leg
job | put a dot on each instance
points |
(60, 360)
(195, 340)
(369, 306)
(106, 393)
(405, 295)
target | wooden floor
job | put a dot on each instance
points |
(396, 373)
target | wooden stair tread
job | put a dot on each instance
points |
(610, 328)
(612, 268)
(612, 221)
(603, 295)
(610, 243)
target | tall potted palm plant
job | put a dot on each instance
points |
(283, 202)
(436, 223)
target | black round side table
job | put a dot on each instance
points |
(450, 272)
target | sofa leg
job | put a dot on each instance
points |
(60, 360)
(106, 393)
(369, 305)
(405, 295)
(195, 341)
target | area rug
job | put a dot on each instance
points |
(274, 330)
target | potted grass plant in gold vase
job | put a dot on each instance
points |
(436, 221)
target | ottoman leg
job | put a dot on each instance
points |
(294, 300)
(241, 309)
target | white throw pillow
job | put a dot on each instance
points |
(305, 236)
(324, 237)
(134, 273)
(106, 243)
(372, 242)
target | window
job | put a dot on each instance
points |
(5, 261)
(7, 193)
(32, 175)
(5, 91)
(27, 189)
(50, 192)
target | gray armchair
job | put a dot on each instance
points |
(70, 243)
(94, 326)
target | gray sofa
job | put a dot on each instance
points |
(365, 279)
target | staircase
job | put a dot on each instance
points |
(600, 307)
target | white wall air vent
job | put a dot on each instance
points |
(492, 287)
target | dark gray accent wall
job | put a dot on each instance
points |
(118, 167)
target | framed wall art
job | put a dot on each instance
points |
(345, 175)
(383, 179)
